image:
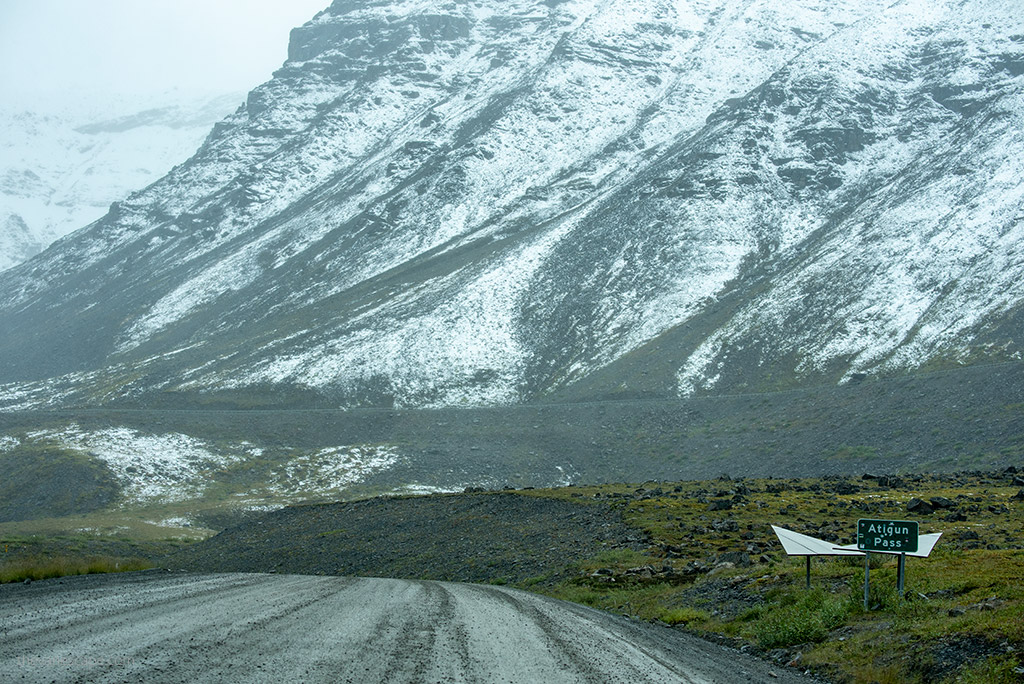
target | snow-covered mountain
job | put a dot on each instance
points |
(451, 203)
(66, 160)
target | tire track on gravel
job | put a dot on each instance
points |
(164, 628)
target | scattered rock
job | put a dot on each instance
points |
(951, 653)
(918, 506)
(941, 502)
(695, 568)
(991, 603)
(728, 525)
(720, 505)
(740, 559)
(473, 538)
(641, 571)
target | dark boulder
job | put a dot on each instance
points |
(920, 507)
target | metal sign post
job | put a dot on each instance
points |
(901, 573)
(867, 575)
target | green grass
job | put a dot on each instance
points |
(40, 568)
(685, 616)
(995, 670)
(802, 618)
(41, 479)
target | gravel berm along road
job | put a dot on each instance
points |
(175, 627)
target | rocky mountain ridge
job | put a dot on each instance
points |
(451, 204)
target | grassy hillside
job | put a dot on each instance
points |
(43, 480)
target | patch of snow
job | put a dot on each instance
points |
(333, 469)
(165, 468)
(416, 489)
(177, 522)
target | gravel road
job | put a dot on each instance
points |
(175, 627)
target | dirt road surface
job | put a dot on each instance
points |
(175, 627)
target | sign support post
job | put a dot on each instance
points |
(867, 574)
(901, 573)
(808, 572)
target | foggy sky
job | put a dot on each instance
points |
(119, 47)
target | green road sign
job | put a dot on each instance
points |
(889, 536)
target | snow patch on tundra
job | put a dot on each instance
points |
(333, 468)
(168, 467)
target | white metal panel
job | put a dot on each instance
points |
(797, 544)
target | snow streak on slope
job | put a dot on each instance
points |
(465, 351)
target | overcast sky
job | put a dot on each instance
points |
(143, 46)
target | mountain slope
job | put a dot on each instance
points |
(468, 205)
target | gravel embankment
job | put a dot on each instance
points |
(468, 538)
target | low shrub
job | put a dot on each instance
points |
(802, 620)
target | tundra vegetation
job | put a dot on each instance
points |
(712, 566)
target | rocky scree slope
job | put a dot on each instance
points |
(447, 204)
(465, 538)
